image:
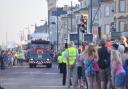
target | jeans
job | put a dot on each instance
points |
(72, 77)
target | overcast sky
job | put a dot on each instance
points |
(16, 15)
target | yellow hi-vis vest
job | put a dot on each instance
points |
(72, 55)
(60, 59)
(63, 57)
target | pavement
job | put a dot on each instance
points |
(23, 77)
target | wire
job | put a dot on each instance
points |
(99, 2)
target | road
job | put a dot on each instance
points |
(23, 77)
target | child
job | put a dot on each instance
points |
(119, 72)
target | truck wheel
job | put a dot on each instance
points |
(30, 65)
(34, 65)
(49, 65)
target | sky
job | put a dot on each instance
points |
(17, 15)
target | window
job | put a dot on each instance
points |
(121, 26)
(107, 11)
(107, 28)
(122, 5)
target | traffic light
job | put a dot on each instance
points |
(83, 24)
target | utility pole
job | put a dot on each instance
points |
(71, 16)
(57, 29)
(91, 16)
(78, 32)
(6, 38)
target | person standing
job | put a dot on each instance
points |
(71, 56)
(64, 67)
(119, 72)
(79, 68)
(21, 57)
(2, 60)
(104, 65)
(60, 62)
(89, 62)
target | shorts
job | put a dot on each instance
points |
(105, 74)
(120, 80)
(79, 72)
(97, 76)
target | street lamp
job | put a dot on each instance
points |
(57, 28)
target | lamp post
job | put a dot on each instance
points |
(57, 29)
(6, 38)
(78, 32)
(90, 16)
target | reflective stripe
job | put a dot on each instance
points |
(72, 53)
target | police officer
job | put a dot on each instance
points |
(64, 66)
(71, 56)
(60, 62)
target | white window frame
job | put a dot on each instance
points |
(122, 26)
(122, 6)
(107, 28)
(106, 11)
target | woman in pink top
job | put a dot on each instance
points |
(119, 72)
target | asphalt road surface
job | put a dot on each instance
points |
(23, 77)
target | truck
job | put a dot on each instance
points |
(40, 50)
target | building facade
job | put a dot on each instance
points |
(121, 15)
(106, 16)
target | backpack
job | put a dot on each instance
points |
(104, 58)
(126, 67)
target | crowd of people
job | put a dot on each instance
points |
(105, 65)
(9, 58)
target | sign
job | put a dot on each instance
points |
(74, 38)
(88, 38)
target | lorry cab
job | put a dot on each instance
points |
(40, 50)
(40, 58)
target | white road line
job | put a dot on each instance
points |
(34, 73)
(50, 86)
(19, 66)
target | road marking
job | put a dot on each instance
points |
(19, 66)
(34, 73)
(50, 86)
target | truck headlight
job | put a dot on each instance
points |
(48, 59)
(31, 59)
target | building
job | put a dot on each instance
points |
(70, 22)
(121, 15)
(55, 25)
(51, 4)
(102, 16)
(106, 15)
(51, 7)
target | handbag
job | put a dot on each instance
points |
(96, 66)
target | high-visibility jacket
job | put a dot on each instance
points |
(63, 57)
(97, 47)
(59, 59)
(72, 55)
(21, 55)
